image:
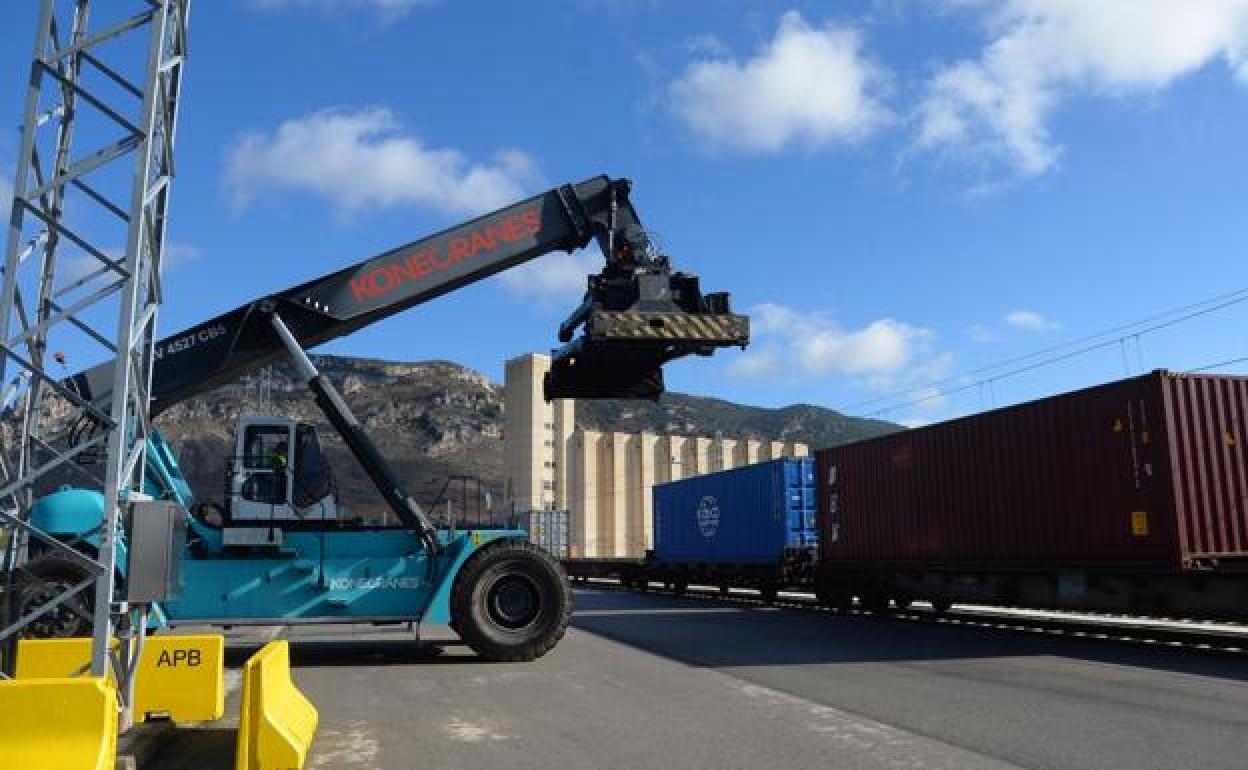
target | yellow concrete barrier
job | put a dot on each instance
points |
(58, 724)
(53, 658)
(276, 722)
(182, 677)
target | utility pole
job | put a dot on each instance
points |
(98, 131)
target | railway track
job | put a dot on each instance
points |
(1230, 638)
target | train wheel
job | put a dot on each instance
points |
(837, 600)
(830, 597)
(768, 594)
(511, 602)
(874, 601)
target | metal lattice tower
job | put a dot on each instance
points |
(84, 247)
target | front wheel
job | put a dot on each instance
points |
(511, 602)
(44, 579)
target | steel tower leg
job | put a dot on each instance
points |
(103, 92)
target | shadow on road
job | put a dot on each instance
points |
(197, 749)
(357, 652)
(715, 634)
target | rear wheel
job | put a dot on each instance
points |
(41, 581)
(511, 602)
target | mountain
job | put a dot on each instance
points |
(436, 419)
(699, 416)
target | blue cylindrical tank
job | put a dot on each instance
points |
(69, 511)
(748, 514)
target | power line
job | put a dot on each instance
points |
(1218, 365)
(1236, 296)
(1074, 353)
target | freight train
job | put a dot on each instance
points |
(749, 527)
(1128, 497)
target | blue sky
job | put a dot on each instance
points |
(900, 193)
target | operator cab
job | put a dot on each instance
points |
(278, 474)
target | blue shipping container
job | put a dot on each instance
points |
(747, 514)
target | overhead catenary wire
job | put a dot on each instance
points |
(1218, 365)
(1233, 298)
(1225, 300)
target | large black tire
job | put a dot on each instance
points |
(511, 602)
(42, 580)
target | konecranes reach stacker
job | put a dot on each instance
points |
(278, 553)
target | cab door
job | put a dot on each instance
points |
(262, 476)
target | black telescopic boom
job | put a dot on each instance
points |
(224, 348)
(637, 314)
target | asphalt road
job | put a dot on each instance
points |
(660, 682)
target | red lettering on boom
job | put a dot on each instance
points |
(457, 250)
(480, 242)
(431, 259)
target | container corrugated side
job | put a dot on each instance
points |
(1146, 472)
(747, 514)
(1206, 420)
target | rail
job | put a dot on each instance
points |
(1213, 636)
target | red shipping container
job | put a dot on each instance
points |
(1145, 473)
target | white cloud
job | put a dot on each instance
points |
(706, 44)
(554, 278)
(913, 379)
(358, 160)
(788, 342)
(982, 334)
(761, 362)
(1041, 51)
(389, 9)
(1030, 321)
(808, 85)
(75, 265)
(179, 254)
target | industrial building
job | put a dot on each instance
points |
(603, 479)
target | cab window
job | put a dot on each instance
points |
(261, 445)
(313, 479)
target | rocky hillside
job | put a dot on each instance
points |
(436, 419)
(431, 420)
(697, 416)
